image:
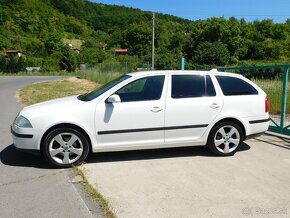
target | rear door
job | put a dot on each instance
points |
(192, 104)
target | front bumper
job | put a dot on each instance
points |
(26, 138)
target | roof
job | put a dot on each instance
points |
(199, 72)
(121, 50)
(11, 51)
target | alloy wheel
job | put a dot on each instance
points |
(65, 148)
(227, 139)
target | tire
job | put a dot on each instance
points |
(225, 139)
(65, 147)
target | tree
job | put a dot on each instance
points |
(209, 53)
(91, 56)
(163, 60)
(3, 63)
(11, 66)
(68, 60)
(216, 29)
(265, 28)
(34, 47)
(39, 29)
(52, 43)
(21, 64)
(138, 39)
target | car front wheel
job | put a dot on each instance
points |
(65, 147)
(225, 139)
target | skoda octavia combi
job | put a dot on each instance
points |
(146, 110)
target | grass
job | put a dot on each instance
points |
(273, 88)
(97, 196)
(40, 92)
(102, 77)
(76, 43)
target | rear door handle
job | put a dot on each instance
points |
(214, 106)
(156, 109)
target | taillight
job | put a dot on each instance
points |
(267, 104)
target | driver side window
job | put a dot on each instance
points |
(144, 89)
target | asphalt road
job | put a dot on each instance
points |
(28, 186)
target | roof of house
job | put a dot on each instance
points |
(11, 51)
(121, 50)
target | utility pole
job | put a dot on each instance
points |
(153, 38)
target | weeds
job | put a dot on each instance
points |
(97, 196)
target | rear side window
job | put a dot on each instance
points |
(235, 86)
(187, 86)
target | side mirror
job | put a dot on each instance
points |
(114, 99)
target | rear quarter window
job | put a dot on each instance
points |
(235, 86)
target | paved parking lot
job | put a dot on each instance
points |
(190, 182)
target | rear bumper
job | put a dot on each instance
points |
(257, 127)
(259, 121)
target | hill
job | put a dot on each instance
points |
(41, 28)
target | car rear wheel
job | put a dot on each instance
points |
(65, 147)
(225, 139)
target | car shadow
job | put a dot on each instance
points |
(152, 154)
(12, 157)
(278, 144)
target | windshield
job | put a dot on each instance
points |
(97, 92)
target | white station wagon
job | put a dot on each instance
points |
(146, 110)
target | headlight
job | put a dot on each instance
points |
(23, 122)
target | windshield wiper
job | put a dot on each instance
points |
(80, 97)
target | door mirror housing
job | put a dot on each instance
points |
(113, 99)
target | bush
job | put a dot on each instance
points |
(12, 64)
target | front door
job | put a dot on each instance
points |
(138, 120)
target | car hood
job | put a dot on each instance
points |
(53, 105)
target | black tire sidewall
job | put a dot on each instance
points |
(210, 142)
(57, 131)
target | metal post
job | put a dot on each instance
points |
(153, 38)
(181, 64)
(83, 70)
(126, 67)
(284, 97)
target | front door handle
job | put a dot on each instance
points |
(214, 106)
(156, 109)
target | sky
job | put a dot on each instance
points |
(278, 10)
